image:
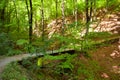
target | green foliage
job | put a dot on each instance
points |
(16, 21)
(22, 42)
(13, 52)
(26, 47)
(39, 62)
(100, 4)
(29, 64)
(65, 64)
(98, 35)
(87, 45)
(5, 44)
(14, 33)
(88, 70)
(68, 62)
(14, 71)
(71, 39)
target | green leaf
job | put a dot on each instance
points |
(39, 61)
(22, 42)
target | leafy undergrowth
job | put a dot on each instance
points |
(101, 35)
(13, 71)
(99, 66)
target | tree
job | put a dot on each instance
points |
(56, 2)
(30, 22)
(63, 15)
(89, 10)
(30, 17)
(75, 12)
(3, 5)
(16, 15)
(42, 20)
(94, 10)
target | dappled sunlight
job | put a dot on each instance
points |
(116, 52)
(112, 24)
(59, 40)
(104, 75)
(116, 69)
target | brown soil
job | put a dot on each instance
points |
(110, 64)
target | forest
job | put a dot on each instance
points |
(59, 39)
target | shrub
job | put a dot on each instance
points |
(5, 44)
(13, 71)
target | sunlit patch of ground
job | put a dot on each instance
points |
(110, 23)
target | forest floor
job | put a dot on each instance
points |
(103, 64)
(108, 57)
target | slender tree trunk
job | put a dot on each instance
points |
(28, 12)
(91, 9)
(16, 14)
(94, 10)
(76, 19)
(30, 16)
(87, 17)
(3, 4)
(63, 16)
(30, 22)
(107, 5)
(42, 20)
(56, 10)
(2, 16)
(43, 30)
(8, 16)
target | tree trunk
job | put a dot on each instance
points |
(30, 16)
(42, 20)
(56, 10)
(63, 16)
(94, 10)
(75, 10)
(16, 14)
(3, 4)
(30, 22)
(91, 9)
(87, 17)
(107, 3)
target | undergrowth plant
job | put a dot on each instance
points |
(25, 46)
(88, 70)
(98, 35)
(6, 44)
(13, 71)
(64, 64)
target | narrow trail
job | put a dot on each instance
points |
(6, 60)
(113, 25)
